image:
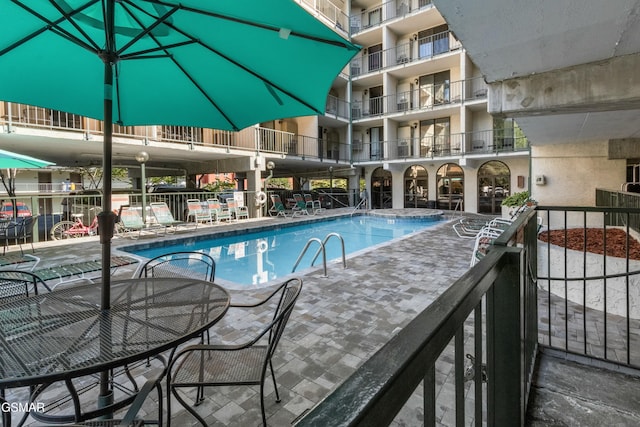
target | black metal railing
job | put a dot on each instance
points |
(588, 280)
(498, 298)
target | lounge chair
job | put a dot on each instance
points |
(313, 205)
(86, 270)
(218, 213)
(277, 209)
(300, 207)
(14, 260)
(242, 364)
(238, 212)
(198, 212)
(130, 222)
(164, 217)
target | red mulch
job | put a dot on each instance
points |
(616, 241)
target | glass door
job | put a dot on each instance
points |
(375, 135)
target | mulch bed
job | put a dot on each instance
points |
(616, 241)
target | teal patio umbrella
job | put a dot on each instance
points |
(219, 64)
(10, 160)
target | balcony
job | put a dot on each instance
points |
(377, 15)
(425, 98)
(260, 139)
(456, 145)
(403, 54)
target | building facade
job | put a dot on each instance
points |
(408, 116)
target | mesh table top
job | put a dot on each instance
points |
(64, 334)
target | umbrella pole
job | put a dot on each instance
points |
(106, 218)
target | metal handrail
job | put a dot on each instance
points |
(360, 203)
(304, 250)
(322, 249)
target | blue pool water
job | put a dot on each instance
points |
(256, 258)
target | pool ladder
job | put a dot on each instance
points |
(321, 250)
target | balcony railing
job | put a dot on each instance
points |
(425, 98)
(337, 107)
(418, 50)
(250, 139)
(329, 11)
(387, 11)
(435, 146)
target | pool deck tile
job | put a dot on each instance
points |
(338, 323)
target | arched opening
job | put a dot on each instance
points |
(416, 188)
(450, 187)
(381, 189)
(494, 180)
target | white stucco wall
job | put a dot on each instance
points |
(573, 172)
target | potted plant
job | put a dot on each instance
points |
(511, 203)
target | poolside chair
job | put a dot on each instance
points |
(16, 284)
(484, 240)
(241, 364)
(198, 211)
(85, 270)
(15, 260)
(238, 212)
(19, 231)
(278, 208)
(218, 212)
(300, 208)
(313, 205)
(196, 265)
(164, 217)
(130, 223)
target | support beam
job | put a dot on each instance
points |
(609, 85)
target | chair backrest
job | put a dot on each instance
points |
(214, 204)
(289, 292)
(27, 226)
(299, 201)
(162, 213)
(277, 202)
(130, 218)
(308, 197)
(16, 284)
(195, 265)
(194, 206)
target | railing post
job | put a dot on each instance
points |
(504, 394)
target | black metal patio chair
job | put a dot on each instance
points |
(243, 364)
(19, 284)
(19, 231)
(195, 265)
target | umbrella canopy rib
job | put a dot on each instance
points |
(259, 25)
(145, 30)
(54, 26)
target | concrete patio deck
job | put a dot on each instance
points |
(338, 323)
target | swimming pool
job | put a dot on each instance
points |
(253, 259)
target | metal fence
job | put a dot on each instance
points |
(498, 299)
(589, 282)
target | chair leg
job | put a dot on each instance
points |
(275, 386)
(185, 405)
(264, 416)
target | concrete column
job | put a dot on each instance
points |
(254, 184)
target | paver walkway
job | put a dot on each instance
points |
(338, 323)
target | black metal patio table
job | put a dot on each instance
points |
(64, 334)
